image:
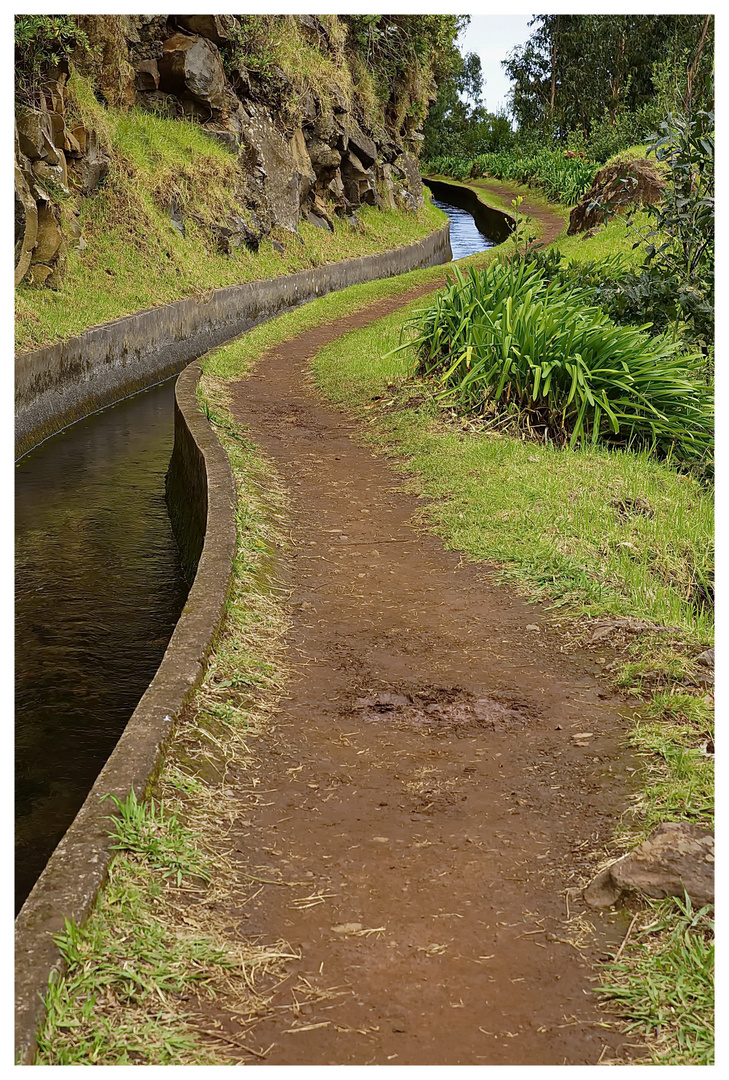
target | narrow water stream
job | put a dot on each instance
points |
(99, 589)
(466, 238)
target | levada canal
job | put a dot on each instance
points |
(99, 589)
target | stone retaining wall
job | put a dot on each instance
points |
(58, 384)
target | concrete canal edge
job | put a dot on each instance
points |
(200, 483)
(70, 883)
(496, 224)
(58, 384)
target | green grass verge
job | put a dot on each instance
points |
(663, 985)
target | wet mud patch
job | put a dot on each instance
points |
(439, 711)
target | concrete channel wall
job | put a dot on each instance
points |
(58, 384)
(200, 483)
(496, 224)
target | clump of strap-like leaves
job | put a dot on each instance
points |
(506, 343)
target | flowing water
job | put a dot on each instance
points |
(466, 238)
(99, 589)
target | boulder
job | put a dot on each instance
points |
(385, 186)
(88, 171)
(362, 145)
(52, 176)
(677, 857)
(49, 235)
(302, 162)
(406, 169)
(359, 182)
(216, 28)
(273, 181)
(26, 224)
(193, 66)
(146, 75)
(35, 135)
(614, 189)
(324, 159)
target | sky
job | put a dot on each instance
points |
(492, 37)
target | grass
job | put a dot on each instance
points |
(127, 228)
(663, 988)
(518, 346)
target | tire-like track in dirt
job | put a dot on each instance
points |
(423, 779)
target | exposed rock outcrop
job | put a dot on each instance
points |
(614, 189)
(311, 163)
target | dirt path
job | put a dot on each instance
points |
(428, 778)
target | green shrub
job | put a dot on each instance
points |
(562, 179)
(41, 42)
(507, 343)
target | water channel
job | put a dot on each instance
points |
(99, 589)
(466, 238)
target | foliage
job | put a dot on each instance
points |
(562, 179)
(505, 342)
(675, 286)
(150, 831)
(41, 42)
(664, 985)
(278, 53)
(576, 69)
(682, 242)
(457, 122)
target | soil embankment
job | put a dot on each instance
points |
(428, 780)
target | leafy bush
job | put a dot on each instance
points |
(675, 286)
(42, 41)
(507, 343)
(562, 179)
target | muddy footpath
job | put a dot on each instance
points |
(442, 776)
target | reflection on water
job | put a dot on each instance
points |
(465, 236)
(99, 589)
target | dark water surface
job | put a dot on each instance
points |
(466, 239)
(99, 589)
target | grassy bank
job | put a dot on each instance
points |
(133, 256)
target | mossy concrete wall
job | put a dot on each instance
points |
(496, 224)
(58, 384)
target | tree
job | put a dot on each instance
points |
(575, 69)
(457, 122)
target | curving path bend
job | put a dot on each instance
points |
(423, 778)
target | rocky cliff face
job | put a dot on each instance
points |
(320, 158)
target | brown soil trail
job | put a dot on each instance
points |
(428, 778)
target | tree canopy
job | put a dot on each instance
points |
(576, 70)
